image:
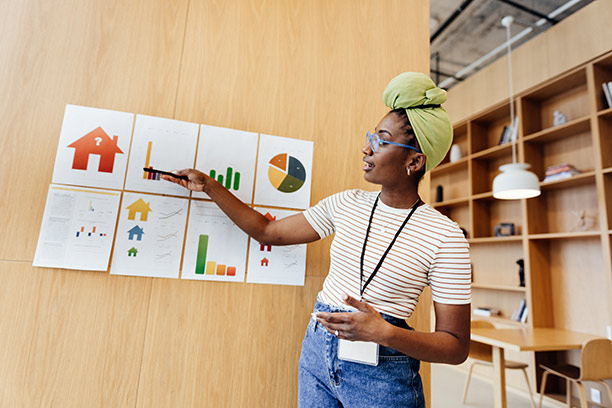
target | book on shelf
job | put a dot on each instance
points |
(560, 171)
(518, 312)
(486, 311)
(524, 314)
(607, 89)
(509, 133)
(562, 175)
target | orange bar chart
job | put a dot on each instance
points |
(220, 269)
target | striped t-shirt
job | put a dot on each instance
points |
(430, 250)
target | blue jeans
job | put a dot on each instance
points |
(325, 381)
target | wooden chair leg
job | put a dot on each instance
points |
(529, 388)
(467, 383)
(607, 388)
(543, 387)
(583, 398)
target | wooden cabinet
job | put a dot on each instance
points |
(563, 235)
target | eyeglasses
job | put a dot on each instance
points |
(374, 140)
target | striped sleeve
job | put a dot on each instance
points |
(321, 216)
(450, 276)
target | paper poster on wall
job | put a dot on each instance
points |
(77, 228)
(228, 156)
(276, 265)
(163, 144)
(284, 172)
(93, 147)
(150, 235)
(215, 248)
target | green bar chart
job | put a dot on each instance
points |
(231, 180)
(201, 256)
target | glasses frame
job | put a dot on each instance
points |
(375, 141)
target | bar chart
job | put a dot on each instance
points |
(227, 180)
(210, 267)
(145, 174)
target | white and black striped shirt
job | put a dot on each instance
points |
(431, 250)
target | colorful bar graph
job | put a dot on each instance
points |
(146, 175)
(201, 256)
(226, 180)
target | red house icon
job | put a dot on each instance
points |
(95, 142)
(264, 262)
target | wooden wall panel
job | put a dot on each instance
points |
(69, 338)
(106, 54)
(307, 70)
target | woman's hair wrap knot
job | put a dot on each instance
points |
(421, 98)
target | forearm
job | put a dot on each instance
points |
(436, 347)
(247, 219)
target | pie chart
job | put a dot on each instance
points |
(286, 173)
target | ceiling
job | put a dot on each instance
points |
(466, 33)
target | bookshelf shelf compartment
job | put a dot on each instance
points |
(576, 126)
(564, 210)
(574, 145)
(568, 94)
(605, 138)
(490, 212)
(486, 131)
(454, 181)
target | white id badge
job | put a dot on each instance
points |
(364, 352)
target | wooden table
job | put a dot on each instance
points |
(524, 339)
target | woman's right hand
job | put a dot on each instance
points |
(197, 180)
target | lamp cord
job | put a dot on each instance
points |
(514, 132)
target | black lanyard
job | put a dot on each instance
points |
(363, 287)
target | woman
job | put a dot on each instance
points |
(358, 350)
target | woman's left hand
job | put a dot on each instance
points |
(366, 324)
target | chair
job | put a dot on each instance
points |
(483, 354)
(595, 365)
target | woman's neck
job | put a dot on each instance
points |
(399, 197)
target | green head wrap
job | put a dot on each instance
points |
(417, 93)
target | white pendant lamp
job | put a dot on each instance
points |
(515, 181)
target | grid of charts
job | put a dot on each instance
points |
(105, 209)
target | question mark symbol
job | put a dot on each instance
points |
(98, 140)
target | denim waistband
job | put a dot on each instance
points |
(324, 307)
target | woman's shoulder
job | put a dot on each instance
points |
(356, 195)
(441, 220)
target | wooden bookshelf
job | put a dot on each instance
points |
(564, 236)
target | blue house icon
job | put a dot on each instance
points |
(135, 231)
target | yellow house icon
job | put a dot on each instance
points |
(138, 206)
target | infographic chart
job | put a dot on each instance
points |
(144, 222)
(284, 168)
(286, 173)
(93, 146)
(276, 265)
(228, 156)
(215, 248)
(150, 236)
(163, 144)
(77, 228)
